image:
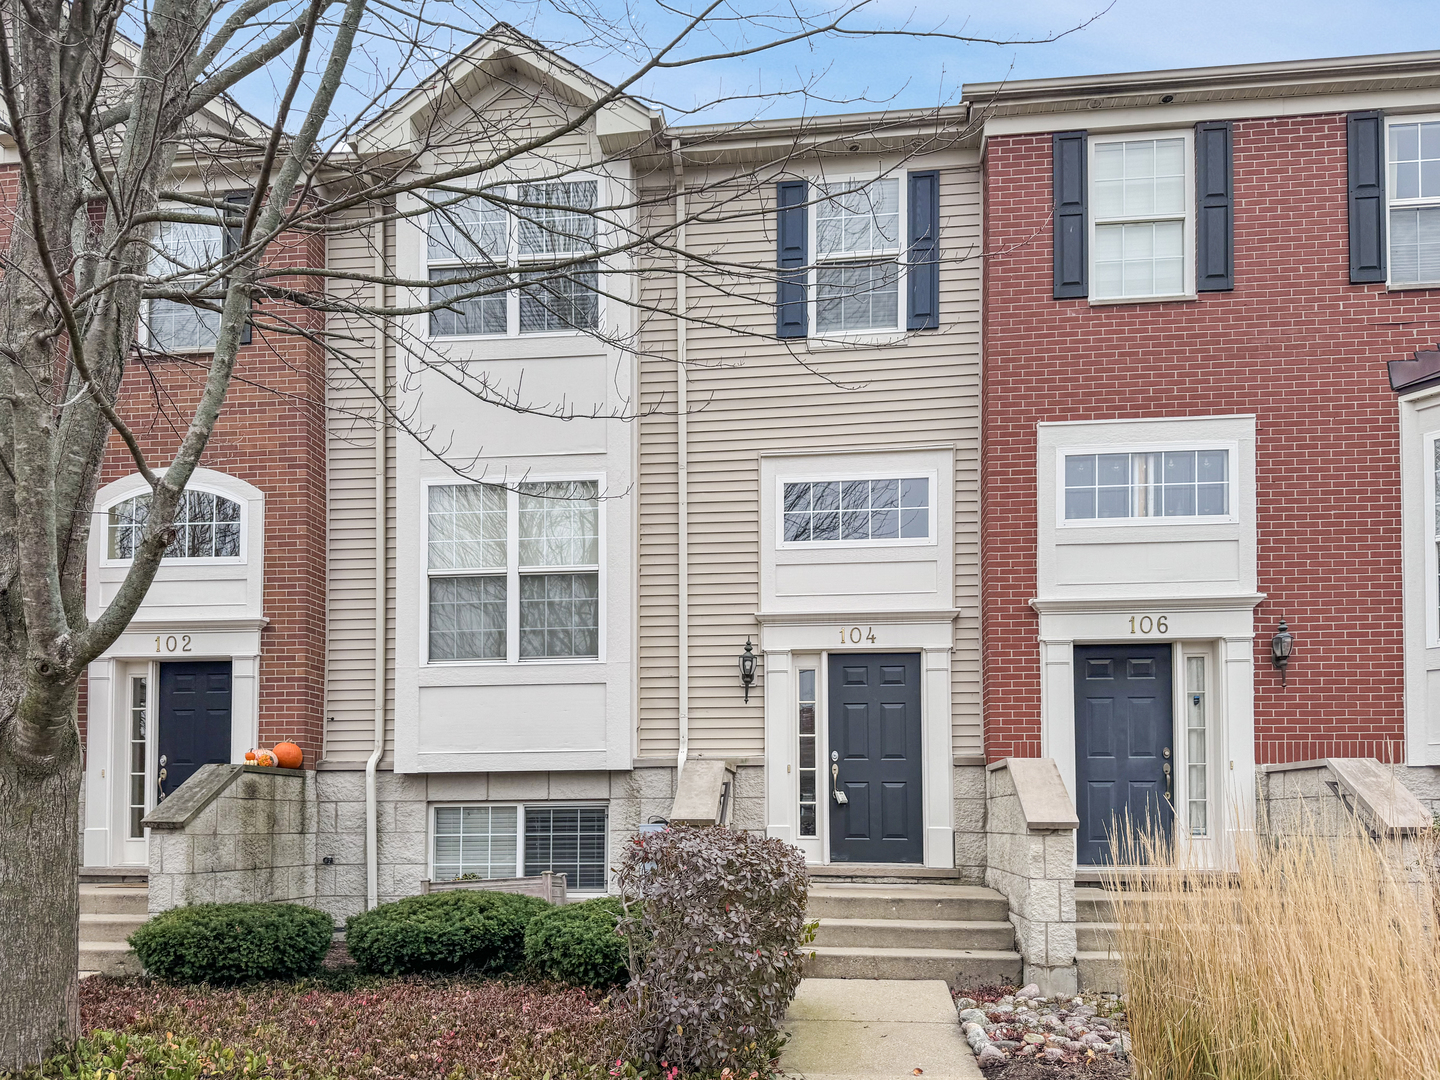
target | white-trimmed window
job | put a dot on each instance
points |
(1184, 483)
(858, 265)
(1197, 758)
(868, 510)
(207, 526)
(1141, 236)
(553, 222)
(1413, 194)
(486, 841)
(183, 256)
(513, 574)
(808, 769)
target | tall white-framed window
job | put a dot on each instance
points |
(1141, 220)
(1432, 540)
(808, 768)
(513, 574)
(1197, 755)
(1173, 485)
(137, 789)
(856, 510)
(542, 224)
(857, 255)
(208, 527)
(486, 841)
(185, 255)
(1413, 197)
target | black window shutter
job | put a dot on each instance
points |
(923, 264)
(792, 253)
(1365, 143)
(1071, 243)
(1214, 208)
(240, 200)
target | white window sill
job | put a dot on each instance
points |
(565, 661)
(1131, 523)
(1111, 301)
(1411, 286)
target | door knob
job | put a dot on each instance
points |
(1169, 784)
(841, 798)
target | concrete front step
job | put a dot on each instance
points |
(1096, 936)
(958, 967)
(109, 958)
(1100, 972)
(881, 873)
(845, 900)
(110, 874)
(915, 934)
(114, 899)
(109, 927)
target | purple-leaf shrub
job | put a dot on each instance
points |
(724, 931)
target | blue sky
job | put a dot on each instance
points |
(830, 75)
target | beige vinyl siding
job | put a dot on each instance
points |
(749, 396)
(353, 412)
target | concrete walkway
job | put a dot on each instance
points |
(896, 1028)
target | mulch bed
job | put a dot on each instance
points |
(374, 1028)
(1106, 1069)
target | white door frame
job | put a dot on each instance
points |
(782, 638)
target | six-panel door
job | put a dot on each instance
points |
(1124, 739)
(875, 758)
(193, 711)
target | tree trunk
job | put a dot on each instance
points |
(39, 898)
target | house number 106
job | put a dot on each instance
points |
(1145, 625)
(854, 636)
(172, 644)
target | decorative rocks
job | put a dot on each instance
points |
(1063, 1031)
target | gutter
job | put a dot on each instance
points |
(682, 467)
(372, 763)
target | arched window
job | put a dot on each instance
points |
(207, 526)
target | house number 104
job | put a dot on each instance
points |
(173, 643)
(855, 637)
(1143, 624)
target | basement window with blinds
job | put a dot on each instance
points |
(478, 843)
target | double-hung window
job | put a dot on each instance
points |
(1147, 485)
(1414, 198)
(514, 574)
(538, 235)
(858, 256)
(184, 256)
(1140, 212)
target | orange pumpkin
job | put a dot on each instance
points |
(250, 756)
(288, 755)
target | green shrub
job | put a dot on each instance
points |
(580, 944)
(233, 943)
(723, 922)
(460, 930)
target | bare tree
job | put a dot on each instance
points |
(106, 103)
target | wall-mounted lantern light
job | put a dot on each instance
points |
(1281, 646)
(747, 668)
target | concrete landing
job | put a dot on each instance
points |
(841, 1028)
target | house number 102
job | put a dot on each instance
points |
(173, 643)
(855, 637)
(1143, 624)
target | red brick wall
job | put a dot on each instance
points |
(1295, 344)
(271, 433)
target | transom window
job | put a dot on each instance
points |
(825, 511)
(484, 842)
(550, 222)
(537, 598)
(1160, 484)
(1139, 204)
(207, 526)
(1414, 152)
(183, 252)
(857, 256)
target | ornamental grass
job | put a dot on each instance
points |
(1317, 959)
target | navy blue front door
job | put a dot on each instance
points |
(193, 711)
(875, 758)
(1124, 738)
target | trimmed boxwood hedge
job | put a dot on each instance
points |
(579, 944)
(462, 930)
(233, 943)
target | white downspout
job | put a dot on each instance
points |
(682, 465)
(372, 808)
